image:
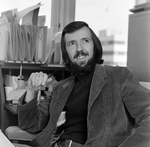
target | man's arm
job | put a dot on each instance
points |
(33, 115)
(137, 101)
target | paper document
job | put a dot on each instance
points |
(23, 36)
(29, 14)
(4, 142)
(3, 42)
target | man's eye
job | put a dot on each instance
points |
(70, 43)
(86, 40)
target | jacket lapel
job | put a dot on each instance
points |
(61, 97)
(97, 84)
(99, 116)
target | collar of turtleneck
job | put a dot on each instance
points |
(83, 78)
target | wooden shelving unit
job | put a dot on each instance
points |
(8, 112)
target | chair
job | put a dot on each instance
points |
(19, 137)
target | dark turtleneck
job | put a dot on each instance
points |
(75, 127)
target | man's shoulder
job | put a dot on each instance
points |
(115, 68)
(65, 81)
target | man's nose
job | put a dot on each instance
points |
(79, 47)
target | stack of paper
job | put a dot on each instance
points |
(23, 37)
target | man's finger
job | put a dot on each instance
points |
(45, 76)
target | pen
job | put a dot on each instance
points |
(51, 74)
(43, 87)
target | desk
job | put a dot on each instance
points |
(4, 141)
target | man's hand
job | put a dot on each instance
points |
(38, 81)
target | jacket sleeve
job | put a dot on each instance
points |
(137, 101)
(33, 116)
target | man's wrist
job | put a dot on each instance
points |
(30, 95)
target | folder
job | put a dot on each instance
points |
(58, 54)
(11, 15)
(41, 44)
(29, 15)
(33, 51)
(29, 40)
(21, 47)
(49, 51)
(14, 42)
(26, 43)
(3, 42)
(10, 36)
(44, 42)
(41, 21)
(38, 53)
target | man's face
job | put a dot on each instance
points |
(79, 46)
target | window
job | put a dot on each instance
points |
(63, 12)
(104, 14)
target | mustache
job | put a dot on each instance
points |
(82, 53)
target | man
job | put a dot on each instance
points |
(102, 104)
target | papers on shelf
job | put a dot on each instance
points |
(29, 15)
(49, 46)
(29, 41)
(21, 42)
(13, 91)
(55, 54)
(3, 42)
(41, 20)
(15, 95)
(11, 15)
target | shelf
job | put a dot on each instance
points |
(8, 111)
(29, 65)
(12, 108)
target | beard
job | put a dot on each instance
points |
(77, 69)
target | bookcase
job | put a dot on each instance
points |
(8, 112)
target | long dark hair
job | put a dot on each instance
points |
(72, 27)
